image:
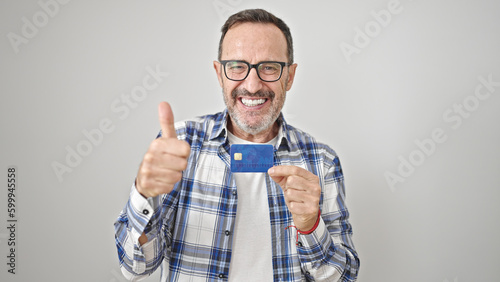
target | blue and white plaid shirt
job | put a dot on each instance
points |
(189, 230)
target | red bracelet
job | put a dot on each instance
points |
(313, 228)
(306, 232)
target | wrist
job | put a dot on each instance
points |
(139, 188)
(311, 230)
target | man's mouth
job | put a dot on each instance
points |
(252, 102)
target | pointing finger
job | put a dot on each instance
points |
(282, 171)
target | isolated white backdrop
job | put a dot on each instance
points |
(371, 89)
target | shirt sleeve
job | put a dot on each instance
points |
(328, 253)
(139, 215)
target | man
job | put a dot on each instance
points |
(201, 222)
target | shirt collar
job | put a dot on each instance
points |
(220, 130)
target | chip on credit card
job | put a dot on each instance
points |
(251, 157)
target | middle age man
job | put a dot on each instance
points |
(188, 211)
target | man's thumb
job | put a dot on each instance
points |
(166, 118)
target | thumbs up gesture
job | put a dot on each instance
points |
(165, 159)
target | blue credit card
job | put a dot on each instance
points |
(251, 157)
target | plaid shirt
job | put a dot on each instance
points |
(189, 230)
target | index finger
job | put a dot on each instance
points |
(288, 170)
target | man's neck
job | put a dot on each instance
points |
(261, 137)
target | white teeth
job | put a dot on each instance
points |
(252, 102)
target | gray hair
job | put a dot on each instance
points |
(258, 16)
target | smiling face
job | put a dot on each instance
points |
(254, 105)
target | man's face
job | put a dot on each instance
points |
(253, 104)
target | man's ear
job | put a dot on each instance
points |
(290, 76)
(218, 71)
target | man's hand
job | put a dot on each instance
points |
(302, 193)
(165, 159)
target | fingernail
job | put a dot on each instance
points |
(270, 171)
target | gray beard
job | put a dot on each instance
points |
(267, 121)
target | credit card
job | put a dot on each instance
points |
(251, 157)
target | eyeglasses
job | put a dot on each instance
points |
(268, 71)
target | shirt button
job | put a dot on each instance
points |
(221, 275)
(234, 192)
(227, 234)
(299, 244)
(145, 212)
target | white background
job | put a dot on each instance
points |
(372, 107)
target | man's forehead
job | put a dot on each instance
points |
(252, 30)
(254, 37)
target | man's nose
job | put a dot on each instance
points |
(252, 83)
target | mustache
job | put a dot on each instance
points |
(260, 94)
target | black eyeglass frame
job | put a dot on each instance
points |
(251, 66)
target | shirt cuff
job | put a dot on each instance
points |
(315, 245)
(140, 211)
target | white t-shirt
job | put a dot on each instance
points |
(251, 258)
